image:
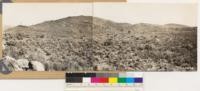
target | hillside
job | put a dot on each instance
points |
(92, 43)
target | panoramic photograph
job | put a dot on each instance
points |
(100, 37)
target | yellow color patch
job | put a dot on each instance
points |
(113, 80)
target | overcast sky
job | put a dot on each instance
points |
(155, 13)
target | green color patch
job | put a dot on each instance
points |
(121, 80)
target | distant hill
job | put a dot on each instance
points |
(175, 25)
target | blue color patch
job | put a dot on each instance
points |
(130, 80)
(138, 80)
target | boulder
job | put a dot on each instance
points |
(37, 66)
(11, 63)
(23, 63)
(103, 66)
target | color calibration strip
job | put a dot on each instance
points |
(105, 78)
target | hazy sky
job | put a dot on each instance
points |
(156, 13)
(32, 13)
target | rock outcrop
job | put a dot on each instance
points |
(22, 64)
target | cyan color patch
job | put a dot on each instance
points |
(130, 80)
